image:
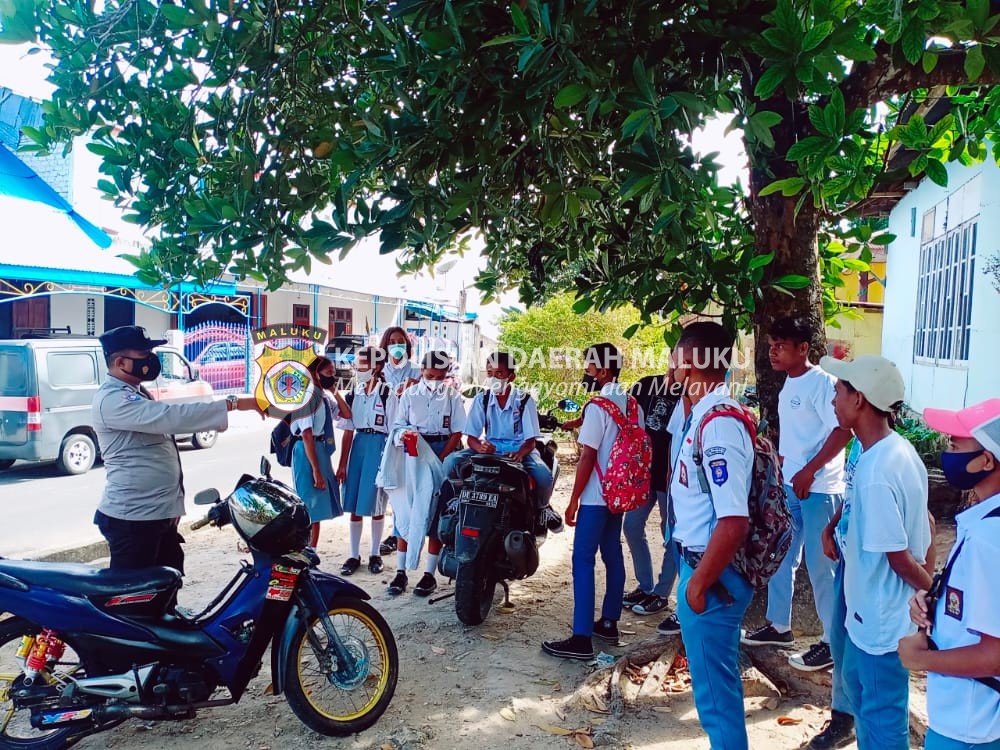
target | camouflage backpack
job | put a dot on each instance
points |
(625, 483)
(770, 533)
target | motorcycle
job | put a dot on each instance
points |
(489, 525)
(83, 649)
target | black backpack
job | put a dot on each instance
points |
(283, 441)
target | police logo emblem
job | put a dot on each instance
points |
(720, 471)
(954, 602)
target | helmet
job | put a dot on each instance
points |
(270, 517)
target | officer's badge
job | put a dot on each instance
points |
(282, 355)
(720, 471)
(954, 602)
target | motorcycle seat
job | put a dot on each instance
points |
(86, 580)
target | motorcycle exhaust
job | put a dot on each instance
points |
(97, 715)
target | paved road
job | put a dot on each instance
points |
(43, 511)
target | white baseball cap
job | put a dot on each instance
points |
(980, 421)
(878, 379)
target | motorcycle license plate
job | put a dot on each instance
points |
(488, 499)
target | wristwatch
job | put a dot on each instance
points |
(231, 402)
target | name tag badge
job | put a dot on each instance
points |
(684, 474)
(379, 420)
(954, 602)
(446, 422)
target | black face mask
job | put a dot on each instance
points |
(145, 368)
(589, 382)
(953, 465)
(327, 381)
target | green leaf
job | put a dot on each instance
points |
(582, 305)
(937, 173)
(437, 41)
(642, 80)
(569, 95)
(769, 82)
(180, 17)
(975, 62)
(759, 261)
(979, 12)
(631, 331)
(816, 36)
(520, 20)
(814, 145)
(505, 39)
(913, 41)
(885, 238)
(792, 281)
(689, 101)
(929, 61)
(186, 149)
(787, 187)
(767, 119)
(857, 50)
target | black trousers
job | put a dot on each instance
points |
(142, 544)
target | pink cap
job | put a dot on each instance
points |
(981, 422)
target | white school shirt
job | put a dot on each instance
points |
(396, 375)
(599, 431)
(885, 510)
(806, 416)
(958, 707)
(676, 427)
(368, 412)
(440, 412)
(318, 420)
(727, 458)
(509, 426)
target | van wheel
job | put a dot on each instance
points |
(204, 439)
(77, 455)
(6, 463)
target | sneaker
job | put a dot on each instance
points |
(816, 658)
(607, 631)
(837, 732)
(398, 584)
(375, 565)
(766, 635)
(669, 626)
(388, 546)
(350, 566)
(634, 597)
(551, 520)
(574, 647)
(426, 585)
(651, 605)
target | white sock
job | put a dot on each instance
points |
(378, 526)
(781, 628)
(400, 561)
(432, 562)
(355, 530)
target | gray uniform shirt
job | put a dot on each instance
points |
(143, 467)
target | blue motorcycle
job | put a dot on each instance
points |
(83, 649)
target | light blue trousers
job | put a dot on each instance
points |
(878, 689)
(809, 517)
(712, 643)
(642, 561)
(935, 741)
(838, 637)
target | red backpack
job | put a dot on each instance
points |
(625, 484)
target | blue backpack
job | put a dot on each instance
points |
(282, 442)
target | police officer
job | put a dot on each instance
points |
(709, 526)
(144, 496)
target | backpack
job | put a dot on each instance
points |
(770, 533)
(282, 442)
(486, 410)
(625, 483)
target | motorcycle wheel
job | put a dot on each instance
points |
(349, 700)
(475, 589)
(16, 732)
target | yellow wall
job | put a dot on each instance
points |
(850, 292)
(856, 336)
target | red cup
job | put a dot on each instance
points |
(410, 443)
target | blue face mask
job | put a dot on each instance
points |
(953, 465)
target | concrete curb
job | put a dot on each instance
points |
(85, 553)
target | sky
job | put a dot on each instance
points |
(364, 269)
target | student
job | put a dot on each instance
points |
(312, 466)
(964, 623)
(507, 425)
(596, 526)
(656, 395)
(812, 456)
(372, 403)
(708, 529)
(883, 533)
(437, 414)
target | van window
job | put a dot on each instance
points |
(13, 374)
(71, 368)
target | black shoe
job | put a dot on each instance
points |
(651, 605)
(350, 566)
(837, 732)
(816, 658)
(388, 546)
(426, 585)
(607, 631)
(375, 565)
(669, 626)
(766, 635)
(398, 584)
(574, 647)
(634, 597)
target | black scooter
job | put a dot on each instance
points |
(489, 525)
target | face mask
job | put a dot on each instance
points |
(145, 368)
(433, 385)
(397, 351)
(955, 472)
(364, 376)
(496, 385)
(589, 382)
(327, 381)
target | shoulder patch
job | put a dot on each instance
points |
(720, 471)
(131, 396)
(715, 450)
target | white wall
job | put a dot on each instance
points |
(378, 317)
(71, 310)
(949, 387)
(156, 322)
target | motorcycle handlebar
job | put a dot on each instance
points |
(199, 524)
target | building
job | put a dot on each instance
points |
(859, 329)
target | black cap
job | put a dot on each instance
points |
(127, 337)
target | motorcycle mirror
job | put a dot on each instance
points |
(265, 467)
(568, 405)
(207, 497)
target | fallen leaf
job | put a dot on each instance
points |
(269, 690)
(811, 707)
(557, 687)
(663, 709)
(771, 703)
(561, 715)
(508, 714)
(450, 669)
(597, 722)
(491, 637)
(388, 746)
(439, 651)
(553, 729)
(583, 740)
(787, 721)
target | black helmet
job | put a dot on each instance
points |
(269, 517)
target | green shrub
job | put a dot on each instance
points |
(926, 441)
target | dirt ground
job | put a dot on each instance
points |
(459, 687)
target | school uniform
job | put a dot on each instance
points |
(964, 713)
(371, 416)
(322, 504)
(397, 375)
(436, 415)
(712, 638)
